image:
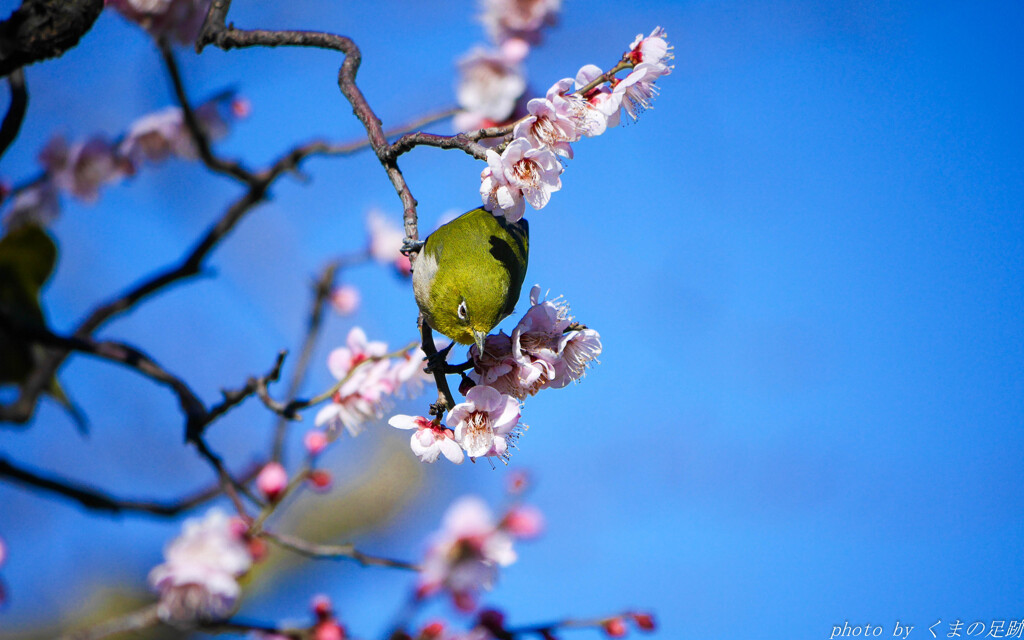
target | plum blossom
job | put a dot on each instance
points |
(179, 20)
(38, 204)
(522, 19)
(485, 422)
(653, 49)
(365, 386)
(408, 375)
(345, 299)
(83, 167)
(546, 349)
(198, 580)
(550, 124)
(430, 439)
(637, 90)
(464, 556)
(386, 241)
(600, 104)
(521, 172)
(162, 134)
(490, 83)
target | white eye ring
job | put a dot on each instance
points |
(463, 311)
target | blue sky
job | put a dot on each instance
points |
(805, 264)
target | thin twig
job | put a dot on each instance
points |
(334, 552)
(15, 112)
(134, 621)
(97, 500)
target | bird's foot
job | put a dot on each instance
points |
(438, 361)
(412, 246)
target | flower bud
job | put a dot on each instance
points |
(614, 627)
(644, 621)
(315, 441)
(272, 481)
(321, 480)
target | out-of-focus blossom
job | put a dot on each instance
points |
(429, 440)
(484, 422)
(81, 168)
(408, 376)
(198, 580)
(272, 480)
(489, 84)
(361, 396)
(522, 19)
(327, 626)
(464, 556)
(637, 90)
(521, 172)
(614, 627)
(315, 441)
(175, 19)
(386, 241)
(37, 204)
(644, 621)
(321, 480)
(156, 136)
(653, 49)
(345, 299)
(523, 521)
(3, 552)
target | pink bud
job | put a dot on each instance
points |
(515, 49)
(432, 630)
(321, 480)
(315, 441)
(241, 107)
(518, 481)
(321, 606)
(345, 299)
(644, 621)
(403, 265)
(614, 627)
(328, 630)
(257, 549)
(523, 521)
(272, 480)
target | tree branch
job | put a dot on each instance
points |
(15, 112)
(97, 500)
(41, 29)
(334, 551)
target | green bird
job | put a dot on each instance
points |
(468, 274)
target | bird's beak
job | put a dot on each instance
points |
(479, 337)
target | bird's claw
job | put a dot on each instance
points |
(437, 362)
(411, 246)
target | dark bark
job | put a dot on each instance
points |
(42, 29)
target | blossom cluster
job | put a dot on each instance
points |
(547, 349)
(178, 20)
(528, 169)
(492, 81)
(464, 556)
(198, 581)
(80, 168)
(367, 379)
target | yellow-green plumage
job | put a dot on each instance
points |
(468, 275)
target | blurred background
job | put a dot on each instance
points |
(805, 263)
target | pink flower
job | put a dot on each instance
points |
(520, 172)
(465, 554)
(83, 167)
(523, 521)
(315, 442)
(272, 480)
(505, 19)
(407, 374)
(361, 395)
(198, 581)
(345, 299)
(161, 134)
(497, 367)
(653, 49)
(430, 439)
(484, 422)
(548, 126)
(177, 19)
(489, 84)
(386, 241)
(601, 104)
(637, 90)
(37, 204)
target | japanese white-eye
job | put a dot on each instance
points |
(468, 274)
